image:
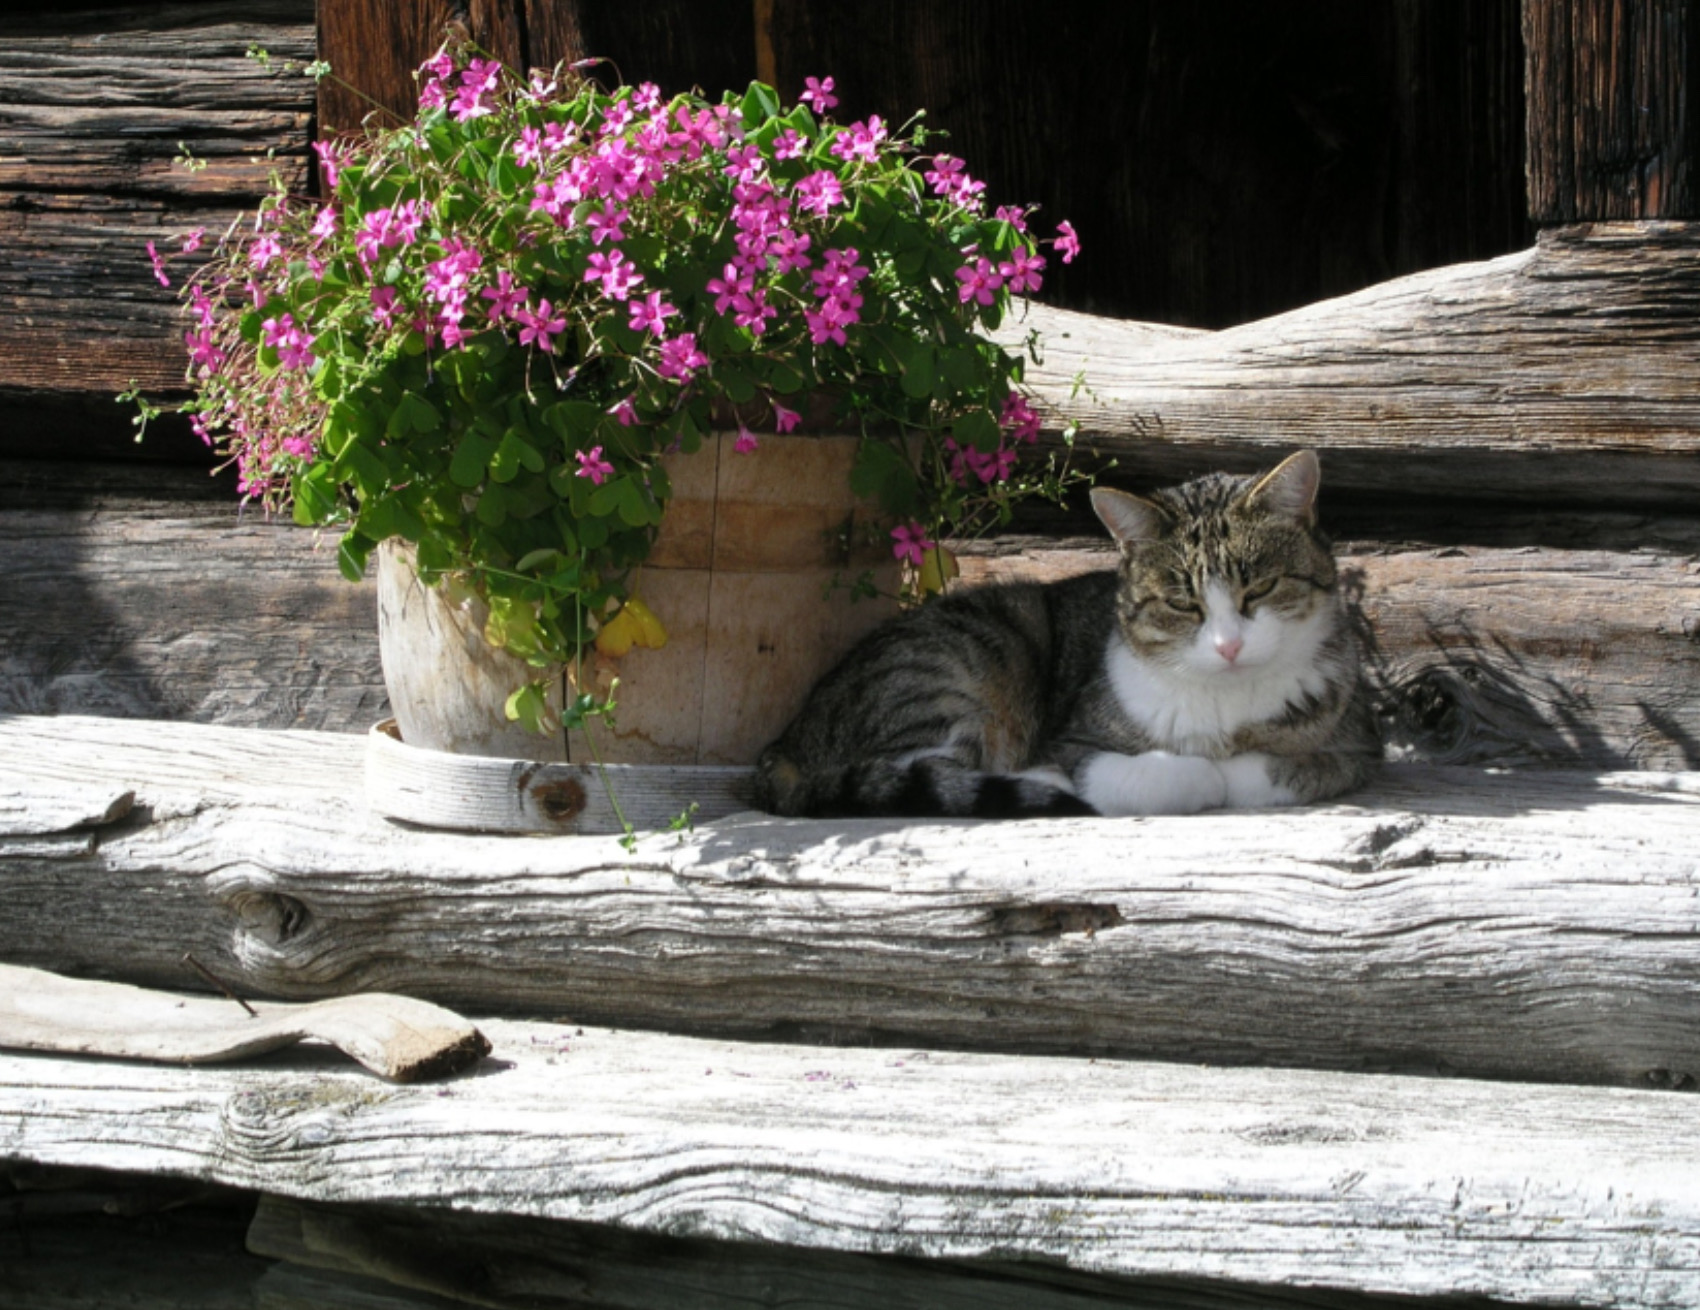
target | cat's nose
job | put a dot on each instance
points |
(1229, 648)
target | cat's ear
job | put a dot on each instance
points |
(1128, 518)
(1289, 489)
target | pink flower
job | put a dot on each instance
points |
(818, 93)
(829, 321)
(791, 249)
(650, 314)
(746, 441)
(332, 156)
(292, 343)
(728, 287)
(860, 140)
(1068, 242)
(680, 358)
(591, 465)
(505, 298)
(909, 542)
(159, 266)
(261, 253)
(529, 148)
(192, 242)
(1020, 271)
(980, 281)
(616, 274)
(789, 144)
(538, 328)
(605, 224)
(383, 305)
(819, 192)
(1013, 215)
(202, 351)
(1018, 418)
(324, 226)
(753, 311)
(626, 412)
(784, 419)
(948, 179)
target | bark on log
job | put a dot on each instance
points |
(1419, 1186)
(1520, 925)
(1613, 125)
(97, 104)
(1563, 374)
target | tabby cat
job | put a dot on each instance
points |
(1215, 666)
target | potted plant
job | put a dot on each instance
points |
(505, 324)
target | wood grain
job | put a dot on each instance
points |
(1559, 375)
(1537, 925)
(1586, 1197)
(94, 107)
(517, 1263)
(395, 1037)
(1612, 128)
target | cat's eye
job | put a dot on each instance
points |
(1184, 605)
(1253, 594)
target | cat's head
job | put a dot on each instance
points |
(1224, 575)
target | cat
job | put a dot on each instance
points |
(1215, 666)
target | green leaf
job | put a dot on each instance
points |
(978, 428)
(760, 103)
(352, 553)
(881, 473)
(514, 453)
(314, 492)
(471, 460)
(784, 379)
(736, 382)
(917, 361)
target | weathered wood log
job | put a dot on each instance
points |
(510, 1261)
(396, 1037)
(1421, 1186)
(1583, 655)
(1560, 374)
(97, 106)
(191, 610)
(1520, 925)
(1612, 131)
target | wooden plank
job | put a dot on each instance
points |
(97, 105)
(1420, 1186)
(1513, 924)
(194, 610)
(395, 1037)
(1562, 374)
(1612, 131)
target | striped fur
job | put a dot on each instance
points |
(1214, 666)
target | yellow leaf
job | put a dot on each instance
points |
(650, 635)
(938, 566)
(616, 636)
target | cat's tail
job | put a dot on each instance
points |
(927, 787)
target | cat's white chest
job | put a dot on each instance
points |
(1191, 713)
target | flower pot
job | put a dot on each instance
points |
(740, 577)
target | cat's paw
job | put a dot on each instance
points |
(1251, 782)
(1153, 783)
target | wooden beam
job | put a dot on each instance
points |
(1535, 925)
(1613, 120)
(98, 106)
(147, 597)
(1563, 374)
(1585, 1197)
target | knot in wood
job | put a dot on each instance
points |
(1053, 919)
(561, 801)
